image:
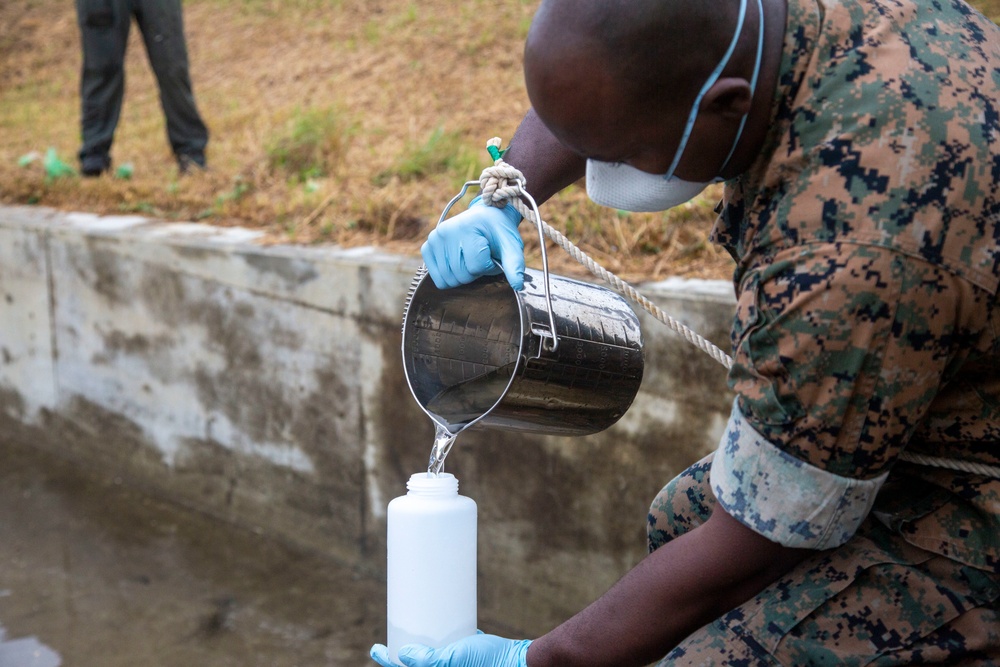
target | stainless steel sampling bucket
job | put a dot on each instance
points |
(484, 354)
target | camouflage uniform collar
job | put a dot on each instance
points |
(803, 21)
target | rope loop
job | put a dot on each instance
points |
(500, 183)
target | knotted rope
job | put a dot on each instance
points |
(502, 184)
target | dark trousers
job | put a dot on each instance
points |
(104, 28)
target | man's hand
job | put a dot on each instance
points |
(476, 651)
(482, 240)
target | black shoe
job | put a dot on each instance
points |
(186, 163)
(94, 165)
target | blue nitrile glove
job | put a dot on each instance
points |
(472, 243)
(479, 650)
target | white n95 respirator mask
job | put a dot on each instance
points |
(618, 185)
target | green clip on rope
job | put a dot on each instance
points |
(495, 152)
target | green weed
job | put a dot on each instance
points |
(312, 145)
(442, 153)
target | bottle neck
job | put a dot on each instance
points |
(428, 485)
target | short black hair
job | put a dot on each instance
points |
(659, 51)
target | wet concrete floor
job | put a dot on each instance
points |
(93, 573)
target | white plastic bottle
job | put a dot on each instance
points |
(431, 583)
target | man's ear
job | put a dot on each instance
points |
(730, 97)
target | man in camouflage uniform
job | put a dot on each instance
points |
(868, 243)
(860, 142)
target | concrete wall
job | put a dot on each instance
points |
(263, 385)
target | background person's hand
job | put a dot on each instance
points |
(479, 650)
(482, 240)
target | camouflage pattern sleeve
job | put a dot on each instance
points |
(783, 498)
(840, 350)
(867, 241)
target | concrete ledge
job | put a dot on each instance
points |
(263, 385)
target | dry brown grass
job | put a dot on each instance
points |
(390, 72)
(379, 78)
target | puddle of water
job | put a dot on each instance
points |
(96, 574)
(26, 652)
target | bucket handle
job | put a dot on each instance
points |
(541, 240)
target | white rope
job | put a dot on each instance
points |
(951, 464)
(502, 184)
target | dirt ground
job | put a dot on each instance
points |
(406, 95)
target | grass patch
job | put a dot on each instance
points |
(441, 153)
(312, 146)
(990, 8)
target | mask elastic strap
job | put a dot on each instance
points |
(712, 78)
(753, 83)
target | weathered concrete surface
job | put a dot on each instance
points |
(263, 386)
(96, 574)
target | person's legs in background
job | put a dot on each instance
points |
(104, 27)
(162, 25)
